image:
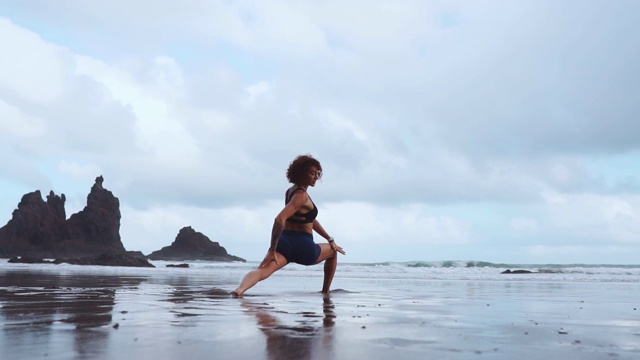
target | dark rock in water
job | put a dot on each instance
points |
(28, 260)
(96, 229)
(178, 265)
(39, 229)
(192, 245)
(109, 260)
(517, 272)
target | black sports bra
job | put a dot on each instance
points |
(298, 217)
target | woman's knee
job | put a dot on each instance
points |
(269, 270)
(327, 254)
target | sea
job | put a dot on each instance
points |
(449, 270)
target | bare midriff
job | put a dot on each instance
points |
(308, 228)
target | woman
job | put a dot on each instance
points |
(292, 233)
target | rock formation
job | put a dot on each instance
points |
(97, 227)
(509, 271)
(193, 245)
(39, 229)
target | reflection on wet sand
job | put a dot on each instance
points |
(185, 293)
(301, 336)
(193, 302)
(35, 305)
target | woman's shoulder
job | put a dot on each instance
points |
(294, 190)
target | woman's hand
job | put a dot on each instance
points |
(270, 257)
(337, 248)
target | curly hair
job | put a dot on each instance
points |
(299, 166)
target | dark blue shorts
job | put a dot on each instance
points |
(298, 247)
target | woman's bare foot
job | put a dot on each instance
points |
(236, 294)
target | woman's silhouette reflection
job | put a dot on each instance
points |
(303, 337)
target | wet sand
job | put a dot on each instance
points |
(161, 314)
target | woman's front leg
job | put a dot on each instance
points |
(330, 266)
(330, 258)
(253, 277)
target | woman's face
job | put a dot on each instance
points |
(313, 174)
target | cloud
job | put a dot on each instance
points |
(17, 125)
(194, 110)
(35, 68)
(406, 225)
(47, 111)
(523, 89)
(524, 224)
(597, 219)
(151, 228)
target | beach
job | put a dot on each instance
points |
(381, 311)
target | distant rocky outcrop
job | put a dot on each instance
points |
(192, 245)
(508, 271)
(39, 229)
(178, 265)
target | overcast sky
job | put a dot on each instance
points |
(503, 131)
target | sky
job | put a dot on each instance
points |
(501, 131)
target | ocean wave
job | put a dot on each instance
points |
(542, 268)
(411, 270)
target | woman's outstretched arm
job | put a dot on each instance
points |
(320, 230)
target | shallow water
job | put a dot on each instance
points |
(375, 312)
